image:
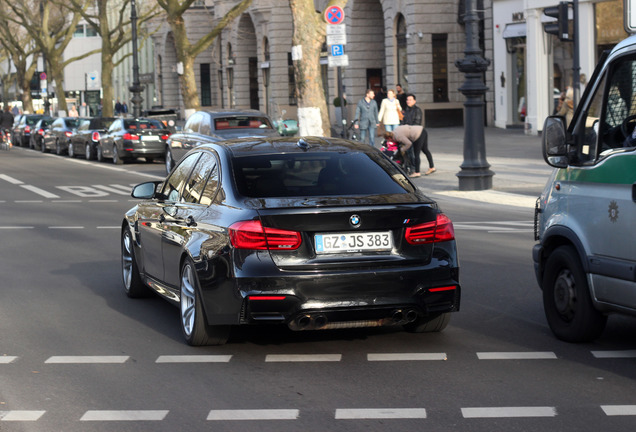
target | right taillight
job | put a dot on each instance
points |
(253, 235)
(95, 136)
(435, 231)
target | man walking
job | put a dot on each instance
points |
(412, 113)
(367, 117)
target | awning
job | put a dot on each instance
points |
(514, 30)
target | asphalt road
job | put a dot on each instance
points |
(77, 355)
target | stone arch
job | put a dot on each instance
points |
(365, 48)
(246, 77)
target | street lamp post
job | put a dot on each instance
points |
(45, 92)
(475, 173)
(136, 88)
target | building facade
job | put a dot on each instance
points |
(414, 43)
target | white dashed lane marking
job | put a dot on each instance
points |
(303, 358)
(254, 414)
(380, 413)
(194, 359)
(509, 412)
(619, 410)
(614, 354)
(125, 415)
(516, 356)
(86, 359)
(17, 415)
(407, 357)
(7, 359)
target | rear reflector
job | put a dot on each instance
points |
(447, 288)
(266, 298)
(252, 235)
(435, 231)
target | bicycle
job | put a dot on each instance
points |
(353, 133)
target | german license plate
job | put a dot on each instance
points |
(354, 242)
(149, 138)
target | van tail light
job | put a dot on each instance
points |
(95, 137)
(253, 235)
(68, 134)
(435, 231)
(131, 137)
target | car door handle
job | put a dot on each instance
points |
(190, 221)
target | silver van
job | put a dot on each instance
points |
(585, 219)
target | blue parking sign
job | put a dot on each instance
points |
(337, 50)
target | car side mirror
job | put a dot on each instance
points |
(147, 190)
(554, 143)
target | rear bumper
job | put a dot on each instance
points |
(141, 149)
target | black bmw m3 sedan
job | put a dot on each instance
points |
(314, 233)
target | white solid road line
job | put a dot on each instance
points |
(39, 191)
(406, 357)
(193, 359)
(516, 355)
(509, 412)
(21, 415)
(303, 358)
(256, 414)
(10, 179)
(380, 413)
(619, 410)
(124, 415)
(86, 359)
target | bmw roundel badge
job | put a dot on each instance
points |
(354, 220)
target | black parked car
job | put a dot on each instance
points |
(127, 139)
(210, 126)
(316, 233)
(38, 131)
(88, 135)
(22, 127)
(58, 136)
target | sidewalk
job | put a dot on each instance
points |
(515, 158)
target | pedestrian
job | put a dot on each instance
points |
(416, 136)
(401, 95)
(124, 108)
(367, 117)
(380, 96)
(118, 108)
(15, 110)
(390, 111)
(73, 112)
(567, 106)
(412, 113)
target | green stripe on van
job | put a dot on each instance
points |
(616, 169)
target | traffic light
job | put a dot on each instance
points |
(561, 27)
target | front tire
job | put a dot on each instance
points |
(71, 150)
(566, 298)
(133, 285)
(193, 326)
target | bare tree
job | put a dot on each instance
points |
(187, 52)
(51, 30)
(115, 32)
(308, 38)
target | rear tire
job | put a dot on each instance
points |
(133, 285)
(169, 160)
(100, 154)
(566, 298)
(71, 150)
(193, 325)
(88, 152)
(429, 325)
(116, 159)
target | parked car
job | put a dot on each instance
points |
(38, 131)
(88, 135)
(314, 233)
(127, 139)
(286, 127)
(21, 133)
(58, 136)
(210, 126)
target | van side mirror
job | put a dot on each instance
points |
(554, 145)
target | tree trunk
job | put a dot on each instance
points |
(187, 80)
(107, 84)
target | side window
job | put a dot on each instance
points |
(174, 184)
(211, 186)
(192, 125)
(205, 128)
(617, 126)
(193, 191)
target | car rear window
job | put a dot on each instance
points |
(33, 120)
(241, 122)
(318, 174)
(142, 124)
(72, 123)
(101, 123)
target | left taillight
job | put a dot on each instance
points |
(68, 134)
(95, 136)
(253, 235)
(439, 230)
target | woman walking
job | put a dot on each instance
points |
(390, 111)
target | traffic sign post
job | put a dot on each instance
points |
(336, 39)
